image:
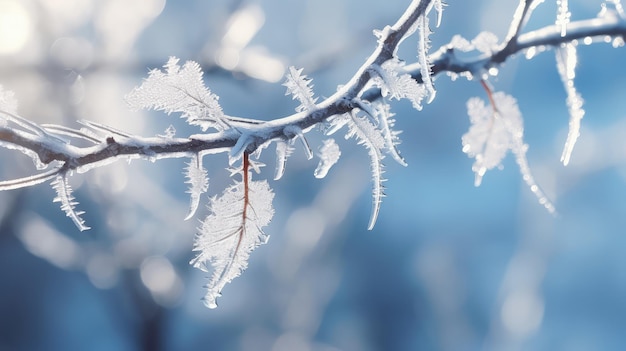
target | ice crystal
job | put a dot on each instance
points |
(329, 155)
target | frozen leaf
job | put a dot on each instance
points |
(388, 133)
(232, 230)
(486, 140)
(336, 122)
(182, 90)
(367, 135)
(329, 155)
(490, 135)
(382, 119)
(198, 180)
(300, 88)
(566, 59)
(422, 56)
(397, 84)
(495, 130)
(65, 197)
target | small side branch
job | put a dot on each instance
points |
(446, 60)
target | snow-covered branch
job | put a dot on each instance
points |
(611, 22)
(252, 133)
(609, 25)
(361, 107)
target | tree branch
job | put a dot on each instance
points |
(256, 133)
(446, 60)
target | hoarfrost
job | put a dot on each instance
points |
(329, 155)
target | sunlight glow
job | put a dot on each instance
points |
(15, 27)
(42, 240)
(119, 23)
(522, 312)
(243, 26)
(260, 65)
(235, 54)
(159, 276)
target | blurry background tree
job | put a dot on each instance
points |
(448, 266)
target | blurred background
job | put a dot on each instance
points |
(448, 266)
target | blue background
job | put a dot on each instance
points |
(448, 266)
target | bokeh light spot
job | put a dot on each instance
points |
(15, 26)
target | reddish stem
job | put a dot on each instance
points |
(489, 94)
(245, 167)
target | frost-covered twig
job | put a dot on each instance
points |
(609, 23)
(257, 132)
(234, 228)
(362, 106)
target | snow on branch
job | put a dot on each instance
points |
(361, 108)
(610, 23)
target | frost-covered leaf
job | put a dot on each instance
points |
(65, 197)
(335, 123)
(329, 155)
(397, 84)
(495, 130)
(489, 138)
(232, 230)
(390, 135)
(369, 136)
(300, 88)
(566, 59)
(198, 180)
(422, 56)
(382, 120)
(182, 90)
(486, 140)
